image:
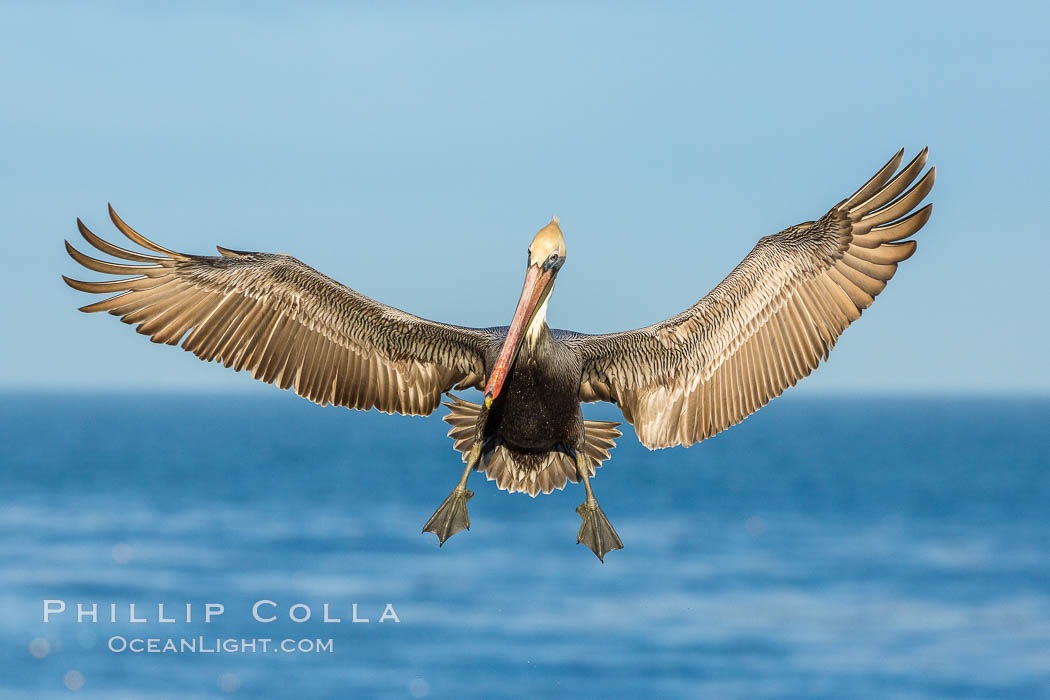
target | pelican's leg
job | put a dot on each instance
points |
(451, 516)
(596, 531)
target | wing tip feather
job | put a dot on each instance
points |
(908, 248)
(137, 237)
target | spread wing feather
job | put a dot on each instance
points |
(765, 326)
(286, 324)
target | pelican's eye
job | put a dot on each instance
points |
(553, 261)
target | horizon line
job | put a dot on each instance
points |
(237, 392)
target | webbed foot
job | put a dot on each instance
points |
(451, 516)
(596, 531)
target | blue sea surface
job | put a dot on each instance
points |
(825, 548)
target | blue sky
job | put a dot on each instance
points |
(411, 152)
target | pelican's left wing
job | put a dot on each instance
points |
(765, 326)
(287, 324)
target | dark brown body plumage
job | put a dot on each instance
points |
(532, 431)
(540, 408)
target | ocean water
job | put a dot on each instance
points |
(838, 548)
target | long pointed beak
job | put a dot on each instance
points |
(537, 285)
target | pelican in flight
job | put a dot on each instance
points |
(762, 329)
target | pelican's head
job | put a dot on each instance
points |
(546, 256)
(548, 246)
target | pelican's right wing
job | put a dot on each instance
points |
(765, 326)
(287, 324)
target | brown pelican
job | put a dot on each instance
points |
(762, 329)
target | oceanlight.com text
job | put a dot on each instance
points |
(217, 645)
